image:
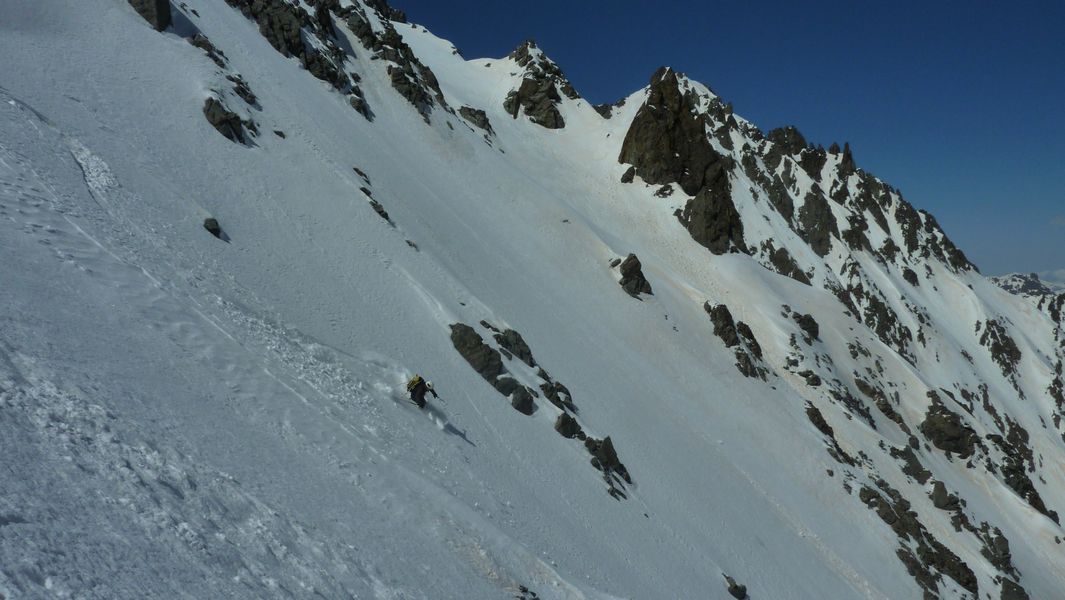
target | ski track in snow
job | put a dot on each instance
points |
(183, 417)
(170, 494)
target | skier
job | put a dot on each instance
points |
(417, 388)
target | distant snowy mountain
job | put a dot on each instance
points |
(1047, 295)
(1055, 280)
(1030, 284)
(677, 356)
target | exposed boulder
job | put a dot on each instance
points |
(667, 141)
(812, 379)
(156, 12)
(946, 430)
(483, 358)
(632, 279)
(506, 385)
(735, 590)
(522, 401)
(359, 104)
(202, 42)
(568, 427)
(941, 499)
(628, 175)
(605, 458)
(242, 89)
(380, 210)
(784, 263)
(224, 120)
(738, 335)
(212, 227)
(515, 344)
(477, 117)
(558, 395)
(808, 325)
(724, 325)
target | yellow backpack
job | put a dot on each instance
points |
(413, 383)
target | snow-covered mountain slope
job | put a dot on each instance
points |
(799, 384)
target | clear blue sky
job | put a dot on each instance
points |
(961, 105)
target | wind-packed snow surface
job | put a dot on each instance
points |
(820, 397)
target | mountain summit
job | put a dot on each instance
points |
(676, 356)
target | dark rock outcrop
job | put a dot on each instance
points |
(224, 120)
(817, 223)
(788, 140)
(1011, 590)
(632, 279)
(738, 335)
(522, 401)
(808, 325)
(942, 499)
(156, 12)
(515, 344)
(568, 427)
(736, 590)
(667, 141)
(928, 559)
(242, 89)
(711, 217)
(538, 98)
(506, 385)
(380, 210)
(784, 263)
(946, 430)
(605, 457)
(483, 358)
(541, 88)
(279, 22)
(202, 42)
(212, 227)
(1003, 349)
(724, 324)
(559, 395)
(477, 117)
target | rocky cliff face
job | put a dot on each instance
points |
(541, 89)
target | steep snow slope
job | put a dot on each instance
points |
(188, 417)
